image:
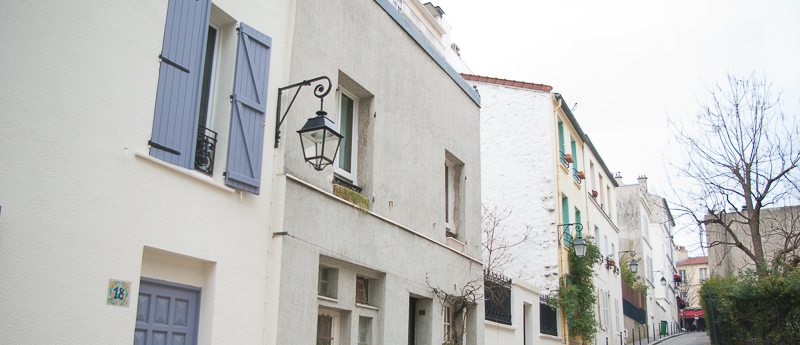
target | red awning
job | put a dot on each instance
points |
(691, 314)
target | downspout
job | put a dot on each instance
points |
(561, 263)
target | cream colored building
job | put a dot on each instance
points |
(118, 226)
(693, 272)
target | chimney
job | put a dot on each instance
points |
(642, 183)
(618, 178)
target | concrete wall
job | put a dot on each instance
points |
(519, 176)
(412, 117)
(726, 260)
(81, 205)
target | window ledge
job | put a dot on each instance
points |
(548, 336)
(326, 298)
(367, 306)
(564, 167)
(499, 325)
(191, 173)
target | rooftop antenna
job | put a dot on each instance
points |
(574, 107)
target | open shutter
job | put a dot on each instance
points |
(179, 78)
(246, 139)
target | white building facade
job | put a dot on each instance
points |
(150, 205)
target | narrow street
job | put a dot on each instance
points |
(692, 338)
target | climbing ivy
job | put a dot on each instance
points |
(576, 293)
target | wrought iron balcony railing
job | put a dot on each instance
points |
(497, 294)
(204, 152)
(563, 158)
(548, 318)
(575, 175)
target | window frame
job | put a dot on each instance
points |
(362, 288)
(331, 282)
(365, 329)
(353, 174)
(212, 83)
(449, 197)
(447, 324)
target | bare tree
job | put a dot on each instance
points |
(497, 243)
(739, 151)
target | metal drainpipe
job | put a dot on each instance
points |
(561, 263)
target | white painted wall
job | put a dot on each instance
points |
(80, 206)
(518, 175)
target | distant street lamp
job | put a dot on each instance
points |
(633, 265)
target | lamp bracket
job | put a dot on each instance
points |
(320, 91)
(578, 229)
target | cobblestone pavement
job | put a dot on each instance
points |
(691, 338)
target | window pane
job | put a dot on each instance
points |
(446, 193)
(363, 330)
(207, 69)
(346, 129)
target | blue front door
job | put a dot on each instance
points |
(166, 314)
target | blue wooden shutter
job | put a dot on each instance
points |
(179, 77)
(246, 139)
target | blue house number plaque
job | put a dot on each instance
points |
(118, 292)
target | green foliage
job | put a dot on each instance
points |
(762, 308)
(576, 294)
(633, 280)
(352, 196)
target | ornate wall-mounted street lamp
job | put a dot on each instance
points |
(579, 244)
(318, 137)
(633, 265)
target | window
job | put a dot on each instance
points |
(614, 253)
(348, 127)
(601, 321)
(548, 318)
(185, 93)
(565, 219)
(453, 194)
(362, 290)
(683, 276)
(448, 196)
(328, 327)
(608, 200)
(327, 281)
(703, 274)
(605, 238)
(561, 143)
(577, 220)
(575, 161)
(645, 228)
(448, 324)
(616, 309)
(606, 296)
(206, 138)
(364, 324)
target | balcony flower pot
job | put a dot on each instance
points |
(568, 158)
(594, 194)
(581, 175)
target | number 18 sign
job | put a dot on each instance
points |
(118, 291)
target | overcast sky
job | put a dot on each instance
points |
(631, 65)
